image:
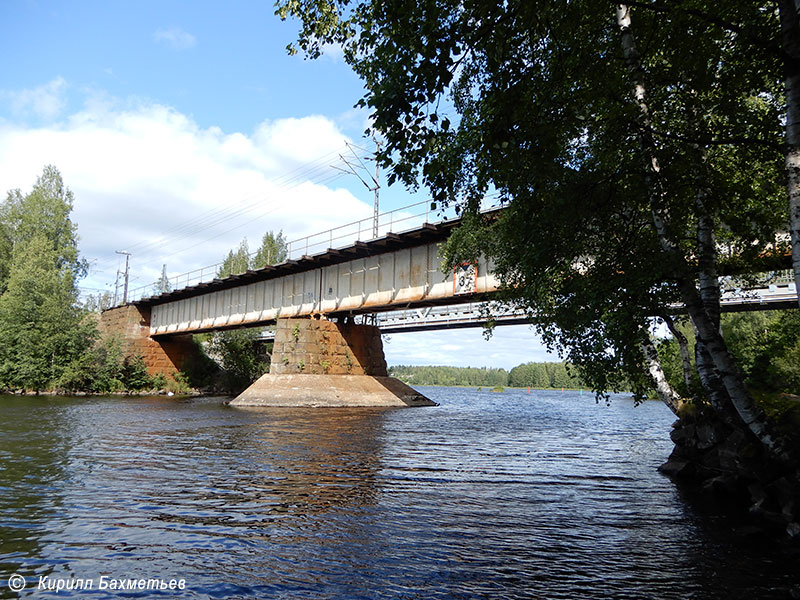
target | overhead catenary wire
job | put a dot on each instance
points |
(216, 216)
(316, 171)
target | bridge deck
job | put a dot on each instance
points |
(395, 272)
(390, 272)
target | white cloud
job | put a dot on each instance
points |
(333, 52)
(46, 101)
(148, 179)
(175, 37)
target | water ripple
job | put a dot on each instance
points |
(546, 495)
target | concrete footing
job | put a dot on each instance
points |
(316, 362)
(329, 391)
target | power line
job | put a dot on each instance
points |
(314, 171)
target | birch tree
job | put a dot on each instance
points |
(790, 42)
(627, 154)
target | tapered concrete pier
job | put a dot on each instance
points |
(316, 362)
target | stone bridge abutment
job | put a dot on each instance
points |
(315, 361)
(131, 324)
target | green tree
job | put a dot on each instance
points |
(624, 166)
(235, 262)
(273, 250)
(45, 211)
(5, 251)
(104, 368)
(41, 326)
(237, 353)
(539, 376)
(521, 376)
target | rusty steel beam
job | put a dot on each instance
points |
(402, 278)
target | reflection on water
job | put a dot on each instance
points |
(486, 496)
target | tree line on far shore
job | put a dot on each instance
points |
(541, 375)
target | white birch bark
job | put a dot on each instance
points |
(790, 34)
(665, 391)
(708, 332)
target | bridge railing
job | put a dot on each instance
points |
(394, 221)
(397, 221)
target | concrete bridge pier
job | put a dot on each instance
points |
(316, 362)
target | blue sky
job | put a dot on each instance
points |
(222, 64)
(184, 127)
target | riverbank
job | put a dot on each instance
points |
(725, 465)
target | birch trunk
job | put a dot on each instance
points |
(713, 386)
(683, 346)
(665, 391)
(707, 331)
(707, 250)
(748, 410)
(790, 37)
(709, 289)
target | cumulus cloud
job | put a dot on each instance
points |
(175, 37)
(45, 101)
(149, 180)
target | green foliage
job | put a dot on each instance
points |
(99, 302)
(273, 250)
(547, 375)
(236, 351)
(108, 367)
(533, 101)
(134, 374)
(45, 212)
(44, 331)
(105, 369)
(178, 384)
(50, 342)
(766, 345)
(199, 370)
(5, 250)
(441, 375)
(41, 326)
(783, 409)
(544, 375)
(236, 262)
(160, 381)
(750, 337)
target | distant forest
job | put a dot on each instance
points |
(536, 375)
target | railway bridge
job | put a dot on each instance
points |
(314, 301)
(322, 354)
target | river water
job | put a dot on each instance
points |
(489, 495)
